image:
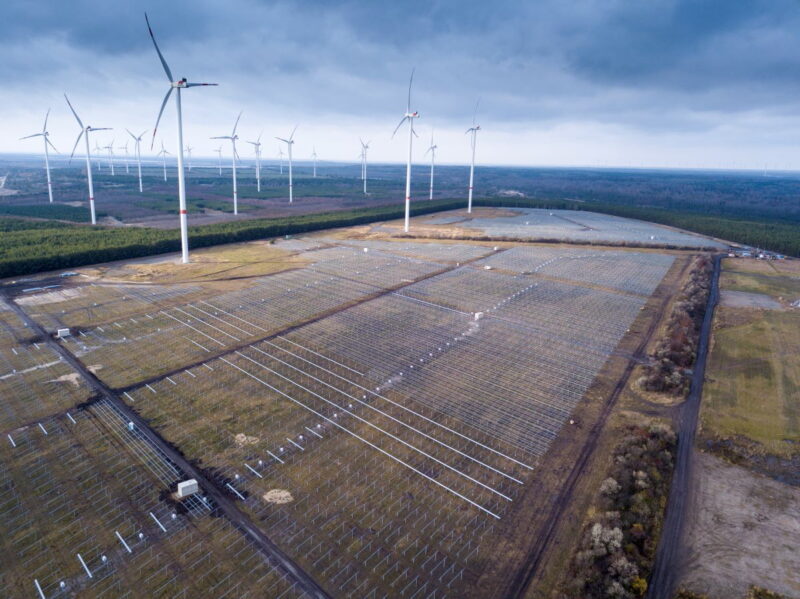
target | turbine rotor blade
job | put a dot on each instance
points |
(200, 84)
(403, 120)
(160, 56)
(47, 140)
(46, 116)
(76, 144)
(410, 81)
(29, 136)
(160, 112)
(77, 118)
(236, 124)
(292, 135)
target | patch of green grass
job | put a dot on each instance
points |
(772, 283)
(753, 386)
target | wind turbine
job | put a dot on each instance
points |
(474, 130)
(138, 143)
(289, 143)
(432, 150)
(163, 153)
(219, 159)
(257, 147)
(314, 157)
(110, 148)
(127, 164)
(408, 116)
(364, 148)
(189, 154)
(233, 137)
(45, 136)
(97, 150)
(176, 85)
(280, 157)
(85, 130)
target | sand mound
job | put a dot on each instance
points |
(243, 440)
(72, 377)
(278, 496)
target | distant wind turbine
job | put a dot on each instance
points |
(163, 153)
(432, 150)
(110, 148)
(233, 137)
(138, 143)
(289, 143)
(280, 157)
(85, 130)
(474, 130)
(176, 85)
(46, 138)
(127, 164)
(189, 156)
(408, 116)
(314, 158)
(364, 148)
(219, 159)
(97, 150)
(257, 147)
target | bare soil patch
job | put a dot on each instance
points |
(744, 299)
(278, 496)
(743, 529)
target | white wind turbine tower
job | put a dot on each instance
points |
(364, 148)
(85, 130)
(257, 147)
(46, 138)
(110, 148)
(280, 158)
(219, 159)
(176, 85)
(432, 150)
(163, 153)
(233, 137)
(138, 144)
(127, 162)
(474, 130)
(408, 116)
(97, 150)
(289, 143)
(189, 156)
(314, 158)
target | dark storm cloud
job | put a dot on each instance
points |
(660, 64)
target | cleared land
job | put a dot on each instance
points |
(535, 224)
(376, 408)
(744, 530)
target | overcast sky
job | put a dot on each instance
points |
(703, 83)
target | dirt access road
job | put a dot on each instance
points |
(665, 570)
